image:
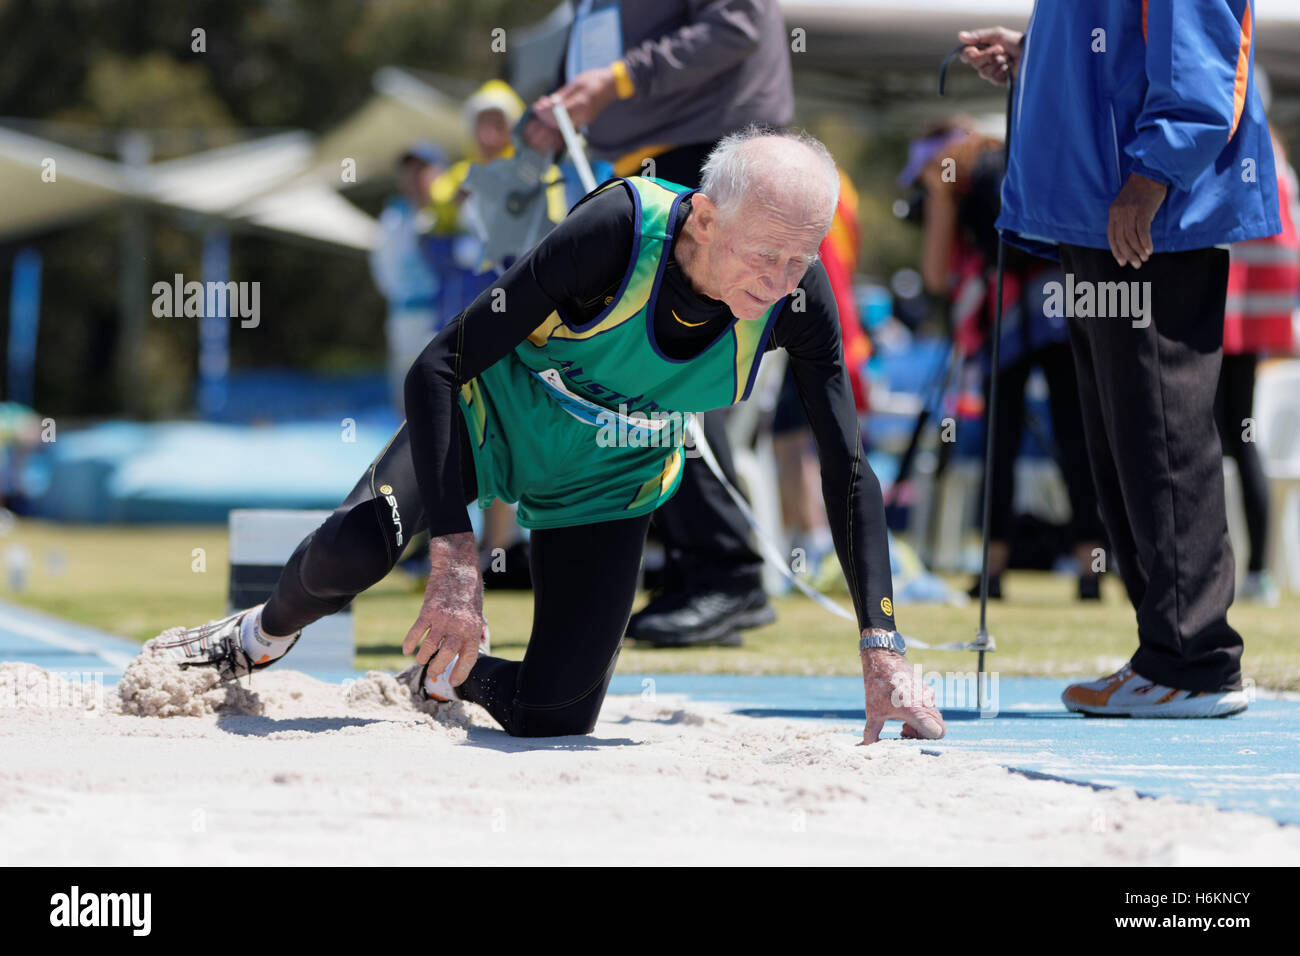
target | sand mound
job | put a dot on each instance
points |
(380, 690)
(28, 687)
(154, 686)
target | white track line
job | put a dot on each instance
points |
(49, 635)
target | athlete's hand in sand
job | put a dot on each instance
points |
(895, 693)
(993, 51)
(451, 620)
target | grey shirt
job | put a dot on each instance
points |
(701, 68)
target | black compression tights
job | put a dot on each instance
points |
(584, 582)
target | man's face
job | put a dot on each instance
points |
(415, 179)
(492, 132)
(758, 254)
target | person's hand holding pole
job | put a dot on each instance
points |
(994, 52)
(585, 97)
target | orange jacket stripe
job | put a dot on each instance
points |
(1243, 72)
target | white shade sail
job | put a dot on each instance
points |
(287, 182)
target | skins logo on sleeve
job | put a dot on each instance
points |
(387, 492)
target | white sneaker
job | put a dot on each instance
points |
(1126, 693)
(439, 688)
(219, 644)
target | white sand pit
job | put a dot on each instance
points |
(300, 771)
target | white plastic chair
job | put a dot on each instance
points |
(1238, 532)
(1277, 431)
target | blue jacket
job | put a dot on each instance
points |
(1172, 97)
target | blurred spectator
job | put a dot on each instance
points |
(1131, 167)
(961, 171)
(456, 252)
(1263, 284)
(399, 268)
(454, 245)
(20, 433)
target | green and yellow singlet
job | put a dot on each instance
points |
(544, 421)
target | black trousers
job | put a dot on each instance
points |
(1233, 405)
(706, 538)
(584, 582)
(1067, 429)
(1147, 397)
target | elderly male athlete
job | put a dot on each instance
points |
(648, 298)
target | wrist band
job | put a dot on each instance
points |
(622, 81)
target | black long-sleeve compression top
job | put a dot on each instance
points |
(575, 269)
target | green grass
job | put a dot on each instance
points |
(136, 581)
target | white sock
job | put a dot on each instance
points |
(260, 647)
(440, 685)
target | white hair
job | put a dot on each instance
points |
(736, 169)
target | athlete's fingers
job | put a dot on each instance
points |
(415, 635)
(468, 655)
(871, 733)
(914, 705)
(923, 722)
(432, 639)
(445, 652)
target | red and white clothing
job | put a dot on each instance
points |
(1264, 282)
